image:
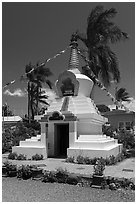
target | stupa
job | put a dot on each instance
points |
(72, 125)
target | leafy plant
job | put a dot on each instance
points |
(72, 179)
(80, 159)
(87, 160)
(49, 176)
(61, 175)
(70, 159)
(127, 139)
(11, 169)
(99, 167)
(37, 157)
(24, 172)
(21, 157)
(12, 155)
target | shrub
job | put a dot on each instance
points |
(99, 167)
(49, 177)
(21, 157)
(11, 169)
(12, 155)
(112, 159)
(80, 159)
(24, 172)
(70, 159)
(93, 161)
(61, 175)
(73, 180)
(7, 140)
(127, 139)
(87, 160)
(37, 157)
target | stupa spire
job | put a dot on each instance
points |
(74, 60)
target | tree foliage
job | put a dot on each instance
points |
(100, 32)
(6, 110)
(103, 108)
(36, 79)
(122, 95)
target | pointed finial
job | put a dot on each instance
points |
(74, 61)
(73, 40)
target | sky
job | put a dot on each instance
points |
(33, 32)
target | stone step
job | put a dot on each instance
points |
(29, 151)
(34, 138)
(30, 143)
(86, 137)
(95, 139)
(95, 144)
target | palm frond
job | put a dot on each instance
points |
(43, 97)
(107, 14)
(44, 102)
(122, 95)
(49, 83)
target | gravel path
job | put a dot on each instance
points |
(14, 190)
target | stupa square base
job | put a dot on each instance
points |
(30, 151)
(92, 153)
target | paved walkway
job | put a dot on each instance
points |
(124, 169)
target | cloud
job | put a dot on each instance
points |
(17, 92)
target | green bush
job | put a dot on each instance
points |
(80, 159)
(115, 183)
(37, 157)
(99, 167)
(72, 179)
(7, 138)
(11, 169)
(127, 138)
(24, 172)
(12, 155)
(61, 175)
(70, 159)
(111, 160)
(49, 177)
(21, 157)
(87, 160)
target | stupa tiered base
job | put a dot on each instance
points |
(30, 147)
(73, 124)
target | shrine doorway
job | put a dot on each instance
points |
(61, 139)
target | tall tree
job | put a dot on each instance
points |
(101, 31)
(41, 74)
(36, 79)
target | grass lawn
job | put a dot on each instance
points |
(14, 190)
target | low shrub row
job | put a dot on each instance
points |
(62, 176)
(111, 160)
(15, 156)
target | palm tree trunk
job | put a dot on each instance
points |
(32, 111)
(37, 99)
(29, 102)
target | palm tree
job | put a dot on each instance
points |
(35, 82)
(37, 97)
(41, 73)
(121, 95)
(99, 34)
